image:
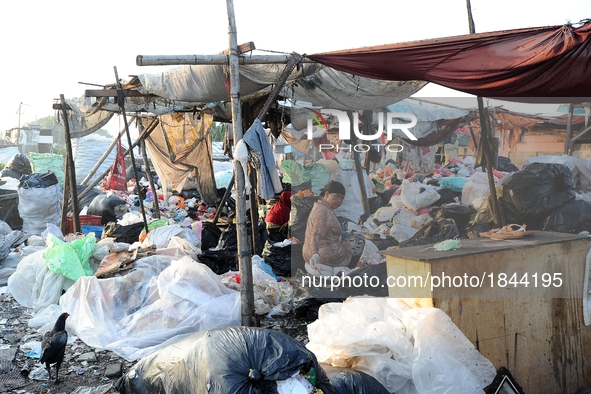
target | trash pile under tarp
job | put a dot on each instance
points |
(543, 197)
(407, 350)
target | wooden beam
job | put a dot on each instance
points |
(113, 93)
(247, 47)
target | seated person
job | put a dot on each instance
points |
(327, 250)
(278, 217)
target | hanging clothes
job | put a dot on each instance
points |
(269, 183)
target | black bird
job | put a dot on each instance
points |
(53, 346)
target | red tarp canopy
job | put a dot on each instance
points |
(542, 62)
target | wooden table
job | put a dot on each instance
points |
(537, 331)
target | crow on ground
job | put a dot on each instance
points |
(53, 346)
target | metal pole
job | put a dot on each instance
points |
(71, 170)
(244, 254)
(121, 102)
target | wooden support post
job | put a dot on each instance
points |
(244, 254)
(121, 102)
(486, 145)
(569, 130)
(71, 170)
(155, 202)
(486, 142)
(218, 212)
(65, 202)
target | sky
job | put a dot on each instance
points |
(59, 47)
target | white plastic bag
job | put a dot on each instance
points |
(417, 195)
(476, 189)
(39, 206)
(446, 362)
(33, 284)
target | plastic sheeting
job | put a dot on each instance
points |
(86, 151)
(160, 301)
(312, 83)
(395, 344)
(180, 149)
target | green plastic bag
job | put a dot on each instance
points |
(294, 173)
(71, 260)
(43, 162)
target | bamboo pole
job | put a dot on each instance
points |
(71, 180)
(121, 102)
(244, 254)
(192, 60)
(104, 174)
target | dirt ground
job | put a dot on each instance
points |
(85, 370)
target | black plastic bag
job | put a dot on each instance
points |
(36, 179)
(20, 163)
(435, 231)
(528, 196)
(458, 212)
(504, 164)
(572, 218)
(229, 239)
(210, 235)
(87, 199)
(109, 208)
(128, 234)
(231, 360)
(538, 189)
(279, 258)
(298, 217)
(382, 241)
(8, 173)
(307, 300)
(220, 261)
(447, 196)
(350, 381)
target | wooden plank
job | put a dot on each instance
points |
(246, 47)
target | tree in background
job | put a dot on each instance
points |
(218, 131)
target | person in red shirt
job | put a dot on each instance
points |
(278, 216)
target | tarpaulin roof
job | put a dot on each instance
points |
(549, 62)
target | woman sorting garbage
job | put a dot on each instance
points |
(327, 249)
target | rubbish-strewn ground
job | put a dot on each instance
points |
(85, 370)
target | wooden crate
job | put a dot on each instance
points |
(539, 335)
